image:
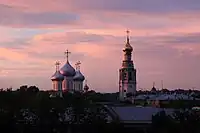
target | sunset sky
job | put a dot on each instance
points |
(165, 35)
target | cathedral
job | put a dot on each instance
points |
(127, 73)
(67, 78)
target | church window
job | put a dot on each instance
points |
(130, 76)
(124, 76)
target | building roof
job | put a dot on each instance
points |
(137, 114)
(79, 76)
(57, 76)
(163, 97)
(67, 70)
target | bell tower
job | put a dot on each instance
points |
(127, 73)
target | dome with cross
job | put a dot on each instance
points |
(79, 76)
(57, 76)
(67, 70)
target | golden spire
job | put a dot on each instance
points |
(78, 65)
(67, 54)
(57, 65)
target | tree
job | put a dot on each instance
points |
(33, 89)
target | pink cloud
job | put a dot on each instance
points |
(154, 57)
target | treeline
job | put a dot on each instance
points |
(29, 110)
(185, 121)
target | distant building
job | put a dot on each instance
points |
(131, 116)
(67, 78)
(127, 73)
(57, 80)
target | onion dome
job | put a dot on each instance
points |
(128, 47)
(67, 70)
(78, 76)
(57, 76)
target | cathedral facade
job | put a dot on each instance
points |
(67, 78)
(127, 73)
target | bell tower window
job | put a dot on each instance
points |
(130, 76)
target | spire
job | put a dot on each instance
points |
(128, 47)
(162, 83)
(153, 84)
(67, 54)
(127, 38)
(57, 65)
(78, 65)
(153, 88)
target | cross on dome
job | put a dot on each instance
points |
(57, 65)
(67, 54)
(78, 65)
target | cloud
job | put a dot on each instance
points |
(96, 14)
(15, 17)
(153, 6)
(155, 57)
(164, 35)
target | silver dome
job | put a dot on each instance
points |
(67, 70)
(79, 76)
(57, 76)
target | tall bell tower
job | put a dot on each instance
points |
(127, 73)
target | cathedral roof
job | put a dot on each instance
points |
(79, 76)
(57, 76)
(67, 70)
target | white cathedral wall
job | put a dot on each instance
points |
(55, 85)
(68, 83)
(78, 85)
(60, 86)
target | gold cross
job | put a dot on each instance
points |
(57, 65)
(67, 54)
(78, 65)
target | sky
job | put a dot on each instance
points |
(165, 35)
